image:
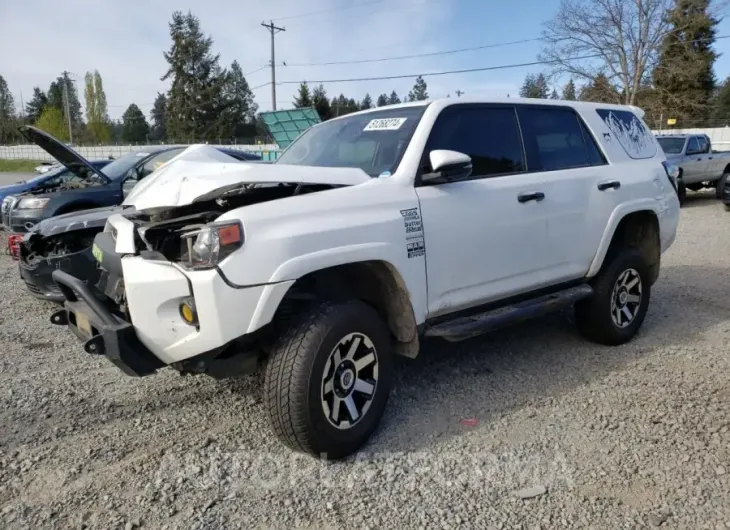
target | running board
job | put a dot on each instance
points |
(467, 327)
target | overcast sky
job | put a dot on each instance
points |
(124, 40)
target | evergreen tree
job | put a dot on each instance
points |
(35, 106)
(721, 102)
(393, 99)
(382, 100)
(569, 93)
(242, 106)
(53, 122)
(684, 77)
(535, 86)
(419, 91)
(600, 90)
(367, 102)
(554, 94)
(321, 103)
(55, 98)
(197, 102)
(8, 121)
(352, 105)
(134, 125)
(158, 131)
(97, 117)
(303, 98)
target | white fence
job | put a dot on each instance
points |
(33, 152)
(719, 136)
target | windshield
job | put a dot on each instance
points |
(118, 169)
(374, 141)
(671, 146)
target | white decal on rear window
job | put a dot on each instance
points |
(630, 132)
(385, 124)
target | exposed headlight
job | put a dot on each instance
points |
(212, 244)
(32, 203)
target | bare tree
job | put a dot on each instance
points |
(620, 38)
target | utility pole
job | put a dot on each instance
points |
(66, 105)
(273, 30)
(458, 93)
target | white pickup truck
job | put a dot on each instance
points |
(699, 165)
(442, 219)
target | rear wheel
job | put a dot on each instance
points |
(614, 314)
(720, 185)
(328, 378)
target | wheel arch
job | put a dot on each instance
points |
(376, 282)
(638, 229)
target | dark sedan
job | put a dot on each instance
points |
(87, 186)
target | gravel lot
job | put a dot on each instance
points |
(629, 437)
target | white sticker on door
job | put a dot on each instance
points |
(415, 244)
(385, 124)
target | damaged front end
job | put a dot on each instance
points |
(39, 256)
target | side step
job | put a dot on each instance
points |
(467, 327)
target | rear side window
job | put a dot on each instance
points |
(629, 131)
(489, 135)
(555, 139)
(704, 144)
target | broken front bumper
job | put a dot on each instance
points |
(37, 273)
(102, 331)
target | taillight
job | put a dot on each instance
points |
(672, 172)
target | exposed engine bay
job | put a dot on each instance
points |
(160, 233)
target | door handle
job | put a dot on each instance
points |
(699, 160)
(709, 158)
(536, 196)
(609, 184)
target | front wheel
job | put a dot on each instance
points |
(328, 378)
(615, 312)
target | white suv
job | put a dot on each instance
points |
(438, 219)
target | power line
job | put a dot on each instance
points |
(433, 74)
(417, 55)
(469, 70)
(257, 70)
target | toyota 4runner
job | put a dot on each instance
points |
(442, 219)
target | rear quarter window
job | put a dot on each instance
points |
(629, 131)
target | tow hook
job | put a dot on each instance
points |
(60, 318)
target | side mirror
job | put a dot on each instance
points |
(691, 152)
(129, 182)
(447, 166)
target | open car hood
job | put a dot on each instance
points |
(73, 161)
(203, 173)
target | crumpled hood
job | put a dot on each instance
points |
(93, 218)
(202, 172)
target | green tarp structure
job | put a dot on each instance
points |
(285, 125)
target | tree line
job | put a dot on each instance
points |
(657, 54)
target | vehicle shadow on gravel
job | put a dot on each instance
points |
(697, 199)
(525, 366)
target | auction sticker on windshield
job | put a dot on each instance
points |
(385, 124)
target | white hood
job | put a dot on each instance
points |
(201, 170)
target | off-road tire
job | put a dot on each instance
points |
(720, 185)
(593, 316)
(294, 381)
(681, 192)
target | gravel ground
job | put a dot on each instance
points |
(530, 427)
